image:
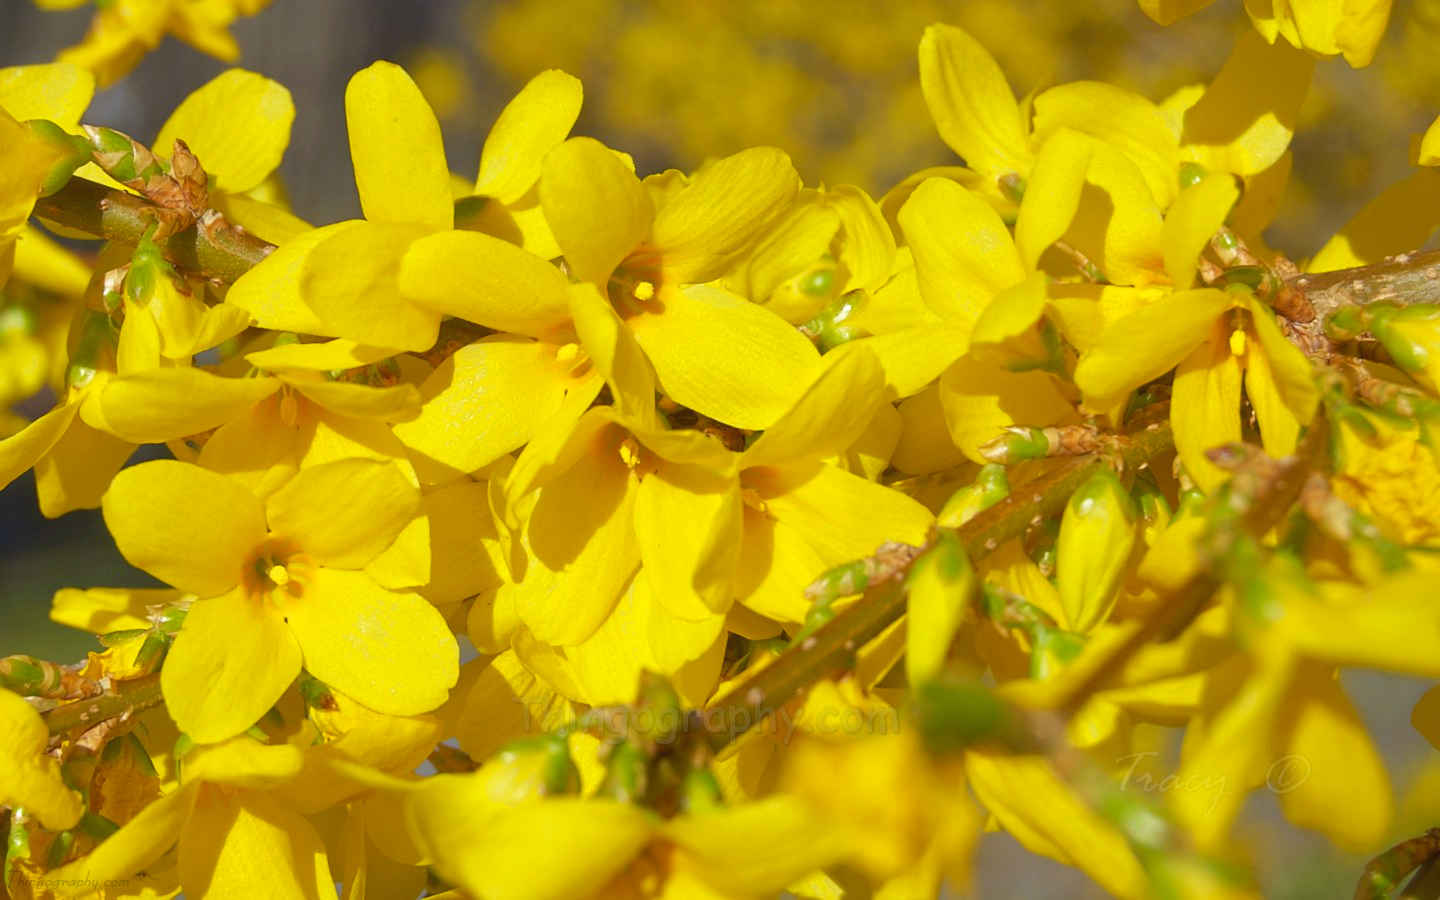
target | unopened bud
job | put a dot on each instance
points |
(71, 151)
(528, 768)
(991, 485)
(1411, 335)
(940, 586)
(1018, 442)
(1097, 534)
(626, 774)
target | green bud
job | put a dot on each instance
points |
(991, 485)
(59, 849)
(1155, 514)
(818, 282)
(1411, 335)
(1097, 534)
(953, 714)
(114, 638)
(1012, 186)
(1052, 649)
(171, 619)
(829, 328)
(626, 774)
(700, 792)
(97, 826)
(533, 766)
(17, 841)
(72, 153)
(152, 652)
(1016, 443)
(940, 586)
(24, 675)
(1191, 174)
(315, 692)
(1347, 323)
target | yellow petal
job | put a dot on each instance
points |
(138, 844)
(343, 513)
(19, 451)
(963, 252)
(231, 661)
(1398, 221)
(55, 91)
(267, 221)
(831, 414)
(797, 242)
(642, 634)
(391, 651)
(971, 103)
(616, 354)
(1167, 12)
(912, 359)
(244, 762)
(485, 280)
(1053, 194)
(981, 399)
(396, 403)
(78, 469)
(241, 846)
(841, 515)
(776, 565)
(756, 848)
(583, 545)
(321, 357)
(464, 544)
(1429, 145)
(1332, 778)
(494, 853)
(529, 127)
(1125, 120)
(1279, 427)
(350, 280)
(725, 207)
(165, 404)
(723, 356)
(688, 521)
(596, 207)
(1205, 407)
(1147, 343)
(1284, 366)
(271, 292)
(1244, 121)
(99, 610)
(1223, 760)
(30, 778)
(485, 401)
(1118, 224)
(1044, 814)
(41, 261)
(152, 510)
(1198, 213)
(395, 144)
(237, 125)
(868, 251)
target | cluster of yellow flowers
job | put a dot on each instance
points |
(802, 535)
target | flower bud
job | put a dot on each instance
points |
(72, 152)
(626, 774)
(990, 486)
(528, 768)
(1097, 534)
(1411, 335)
(940, 586)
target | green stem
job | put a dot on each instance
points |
(128, 697)
(223, 254)
(832, 647)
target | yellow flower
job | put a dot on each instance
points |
(29, 778)
(122, 32)
(1351, 27)
(282, 582)
(235, 830)
(1209, 337)
(486, 844)
(1392, 477)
